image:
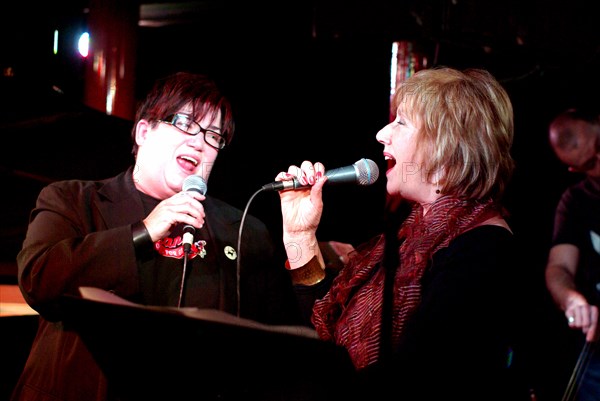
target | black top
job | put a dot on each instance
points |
(577, 222)
(80, 234)
(460, 341)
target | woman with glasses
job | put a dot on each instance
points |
(573, 266)
(127, 235)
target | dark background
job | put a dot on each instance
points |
(308, 80)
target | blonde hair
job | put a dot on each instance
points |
(466, 129)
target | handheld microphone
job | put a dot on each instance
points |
(191, 183)
(363, 172)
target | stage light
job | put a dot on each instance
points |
(84, 44)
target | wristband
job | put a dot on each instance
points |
(309, 274)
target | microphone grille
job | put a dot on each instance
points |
(194, 183)
(368, 172)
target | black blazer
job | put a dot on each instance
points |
(80, 235)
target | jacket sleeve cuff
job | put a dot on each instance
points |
(142, 242)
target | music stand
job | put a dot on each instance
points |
(163, 353)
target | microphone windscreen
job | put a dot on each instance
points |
(194, 183)
(368, 171)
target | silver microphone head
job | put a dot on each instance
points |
(194, 183)
(367, 171)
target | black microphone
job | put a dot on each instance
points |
(191, 183)
(363, 172)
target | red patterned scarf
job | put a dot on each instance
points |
(350, 313)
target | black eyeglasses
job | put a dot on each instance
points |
(184, 123)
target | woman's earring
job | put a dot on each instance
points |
(437, 191)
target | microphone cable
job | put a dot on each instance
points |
(238, 268)
(186, 253)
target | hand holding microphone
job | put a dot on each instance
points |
(184, 207)
(363, 172)
(302, 210)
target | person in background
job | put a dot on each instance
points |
(125, 235)
(573, 266)
(426, 310)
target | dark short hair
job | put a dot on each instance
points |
(170, 94)
(587, 114)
